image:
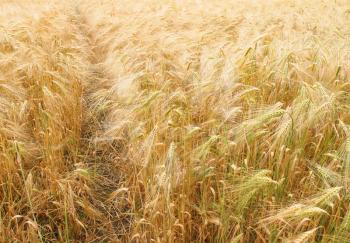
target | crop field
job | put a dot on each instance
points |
(175, 121)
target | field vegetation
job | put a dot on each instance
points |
(174, 121)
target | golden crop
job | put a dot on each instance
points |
(174, 121)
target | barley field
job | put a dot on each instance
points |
(175, 121)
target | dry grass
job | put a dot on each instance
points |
(174, 121)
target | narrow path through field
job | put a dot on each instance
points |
(97, 155)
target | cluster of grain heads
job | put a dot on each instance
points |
(216, 131)
(43, 67)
